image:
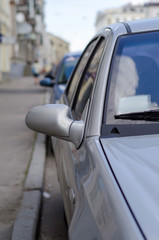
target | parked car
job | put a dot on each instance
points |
(64, 71)
(107, 135)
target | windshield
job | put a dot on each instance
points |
(134, 76)
(67, 68)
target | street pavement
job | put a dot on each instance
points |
(16, 146)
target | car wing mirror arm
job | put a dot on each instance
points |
(77, 133)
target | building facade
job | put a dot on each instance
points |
(126, 13)
(6, 39)
(23, 39)
(54, 50)
(151, 9)
(29, 31)
(57, 48)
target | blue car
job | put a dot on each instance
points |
(63, 73)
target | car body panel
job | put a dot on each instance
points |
(87, 172)
(134, 161)
(100, 203)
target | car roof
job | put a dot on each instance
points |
(129, 27)
(148, 24)
(142, 25)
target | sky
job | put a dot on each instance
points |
(74, 20)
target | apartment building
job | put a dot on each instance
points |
(126, 13)
(57, 47)
(23, 39)
(29, 30)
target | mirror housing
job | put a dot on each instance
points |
(53, 120)
(47, 82)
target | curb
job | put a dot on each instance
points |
(25, 224)
(26, 221)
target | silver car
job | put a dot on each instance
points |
(107, 135)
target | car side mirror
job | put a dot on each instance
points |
(53, 120)
(47, 82)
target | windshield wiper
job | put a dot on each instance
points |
(150, 115)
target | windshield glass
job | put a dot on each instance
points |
(134, 76)
(67, 68)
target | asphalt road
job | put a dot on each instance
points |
(52, 222)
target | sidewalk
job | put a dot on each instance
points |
(16, 147)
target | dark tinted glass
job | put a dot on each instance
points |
(79, 71)
(86, 84)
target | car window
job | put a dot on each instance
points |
(78, 73)
(134, 77)
(87, 81)
(67, 68)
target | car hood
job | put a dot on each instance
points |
(135, 164)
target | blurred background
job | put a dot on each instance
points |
(44, 30)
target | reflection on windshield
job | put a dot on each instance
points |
(126, 79)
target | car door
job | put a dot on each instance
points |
(82, 83)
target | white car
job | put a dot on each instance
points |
(107, 135)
